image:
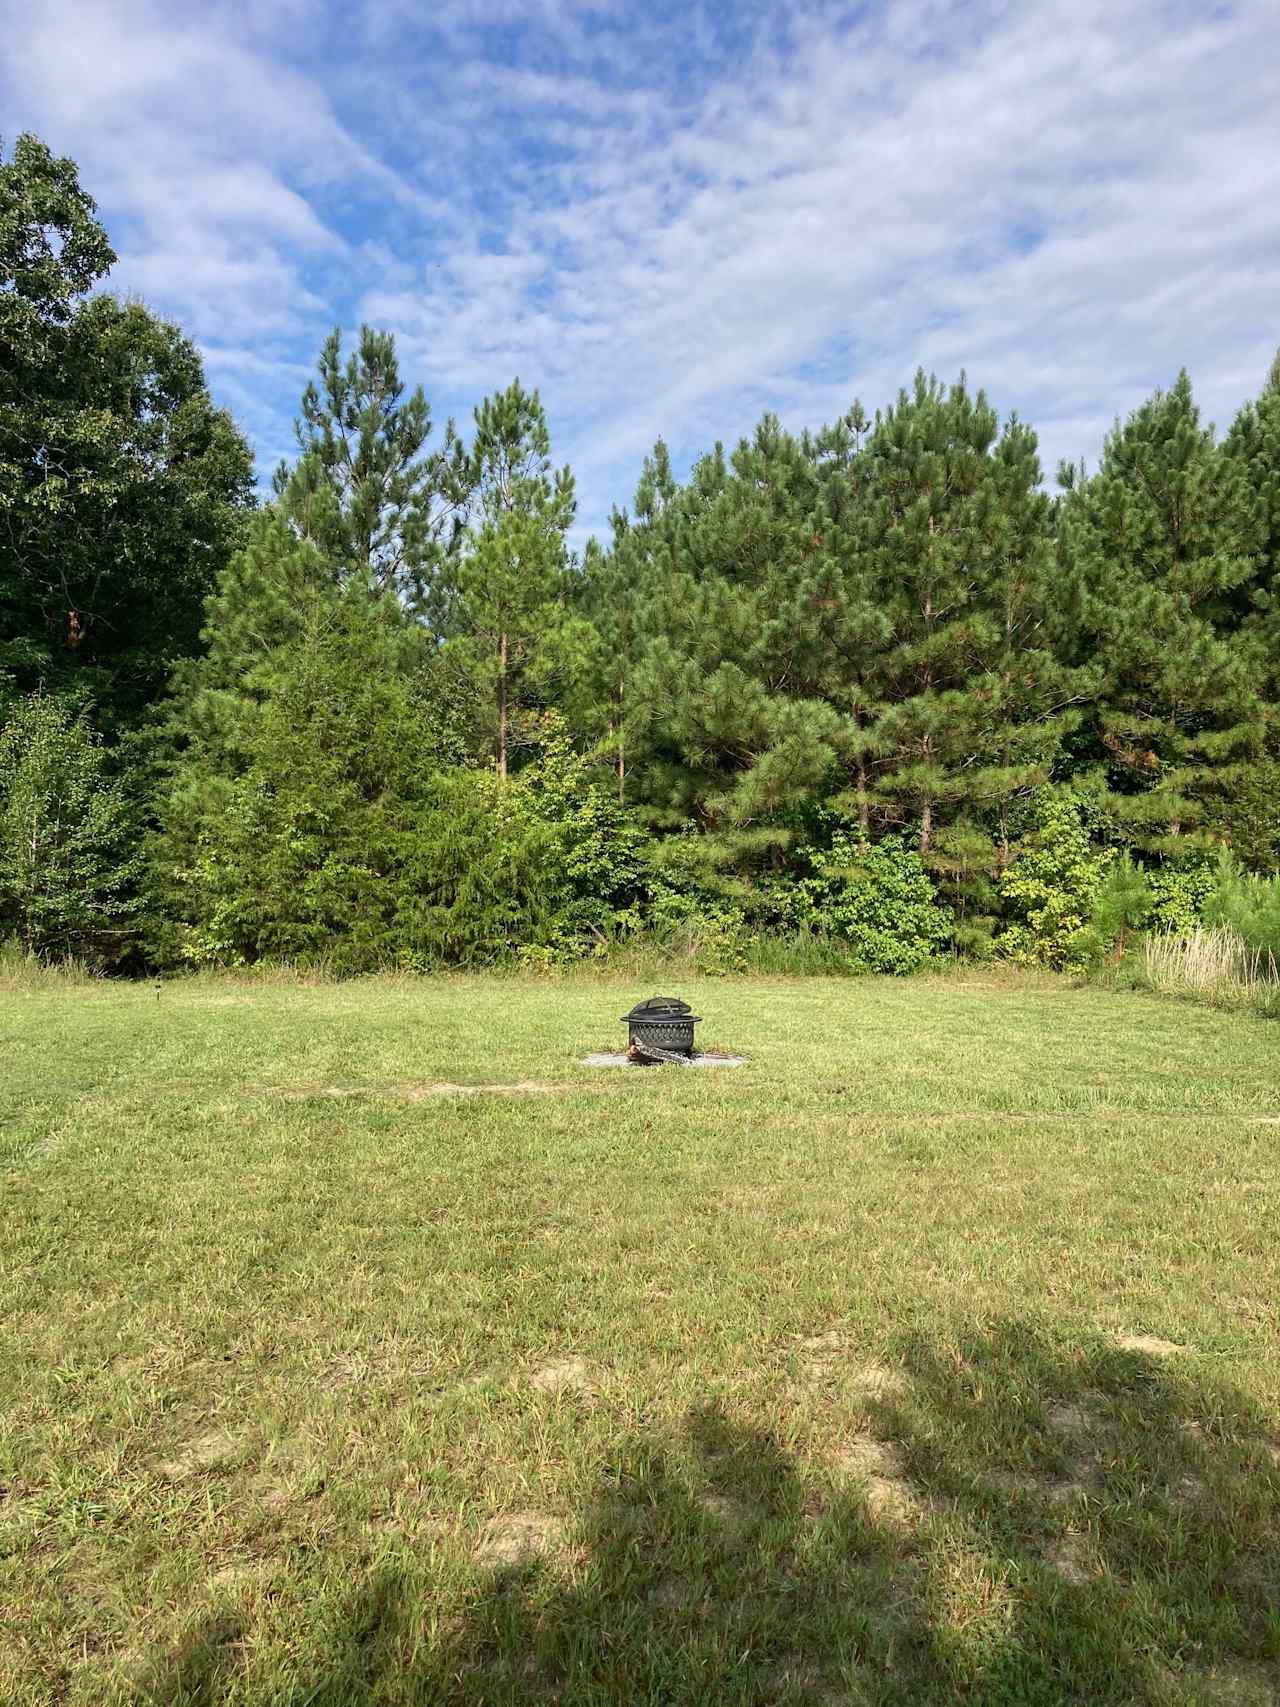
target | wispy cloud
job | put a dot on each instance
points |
(671, 222)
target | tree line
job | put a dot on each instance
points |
(870, 686)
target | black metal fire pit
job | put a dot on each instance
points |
(660, 1029)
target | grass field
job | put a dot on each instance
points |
(361, 1346)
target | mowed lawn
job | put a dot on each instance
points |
(359, 1345)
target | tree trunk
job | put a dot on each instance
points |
(502, 705)
(926, 826)
(864, 807)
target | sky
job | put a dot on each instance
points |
(670, 218)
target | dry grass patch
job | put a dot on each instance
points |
(215, 1450)
(564, 1375)
(1151, 1345)
(516, 1537)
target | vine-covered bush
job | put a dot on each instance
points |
(878, 898)
(1050, 891)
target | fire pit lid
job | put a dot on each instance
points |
(662, 1010)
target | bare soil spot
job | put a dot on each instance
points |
(823, 1345)
(673, 1593)
(823, 1353)
(1072, 1559)
(1020, 1482)
(211, 1451)
(566, 1375)
(1082, 1415)
(1151, 1344)
(878, 1467)
(414, 1092)
(516, 1537)
(876, 1381)
(731, 1513)
(232, 1578)
(1233, 1685)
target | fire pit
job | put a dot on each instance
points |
(660, 1029)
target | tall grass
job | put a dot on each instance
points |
(21, 970)
(1214, 964)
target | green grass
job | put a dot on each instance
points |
(822, 1380)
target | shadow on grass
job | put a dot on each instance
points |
(1018, 1522)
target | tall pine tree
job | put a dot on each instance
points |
(505, 599)
(966, 705)
(1158, 551)
(382, 509)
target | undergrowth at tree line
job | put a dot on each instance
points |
(853, 699)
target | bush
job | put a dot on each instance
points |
(878, 900)
(1247, 904)
(69, 861)
(1052, 888)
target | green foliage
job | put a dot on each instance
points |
(1122, 905)
(1247, 903)
(121, 486)
(594, 869)
(503, 602)
(69, 866)
(1158, 551)
(335, 833)
(1245, 812)
(967, 705)
(815, 650)
(1180, 894)
(878, 898)
(378, 506)
(1050, 891)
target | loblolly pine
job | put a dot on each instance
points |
(1158, 551)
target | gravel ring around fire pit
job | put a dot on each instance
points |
(621, 1059)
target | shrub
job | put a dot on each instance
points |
(877, 899)
(1053, 886)
(69, 865)
(1249, 905)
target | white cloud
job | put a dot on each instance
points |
(669, 226)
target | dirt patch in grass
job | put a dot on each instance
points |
(723, 1510)
(517, 1537)
(411, 1092)
(673, 1593)
(1150, 1344)
(565, 1375)
(215, 1450)
(1072, 1558)
(233, 1578)
(877, 1466)
(824, 1354)
(1232, 1685)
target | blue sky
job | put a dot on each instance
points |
(672, 217)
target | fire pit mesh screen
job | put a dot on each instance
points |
(660, 1027)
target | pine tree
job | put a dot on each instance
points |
(1246, 814)
(381, 508)
(257, 610)
(730, 583)
(69, 861)
(965, 705)
(505, 600)
(1251, 450)
(1158, 551)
